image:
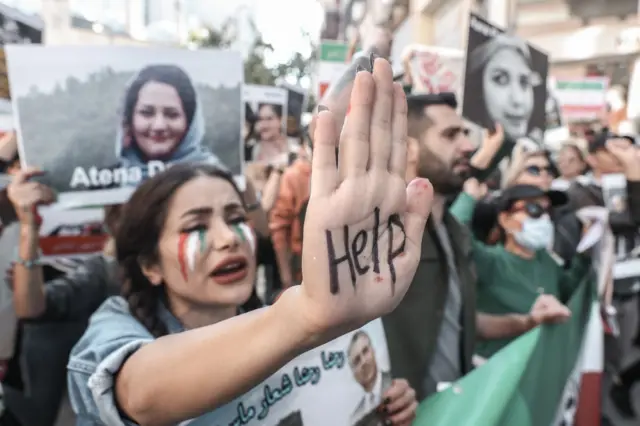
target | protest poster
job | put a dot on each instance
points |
(582, 99)
(72, 233)
(296, 106)
(437, 70)
(504, 82)
(266, 144)
(119, 114)
(347, 375)
(268, 106)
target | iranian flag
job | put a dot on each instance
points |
(548, 377)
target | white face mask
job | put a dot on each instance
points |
(536, 234)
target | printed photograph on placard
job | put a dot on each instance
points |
(266, 122)
(349, 374)
(370, 375)
(296, 106)
(267, 146)
(119, 114)
(505, 82)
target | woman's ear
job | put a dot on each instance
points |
(151, 270)
(504, 221)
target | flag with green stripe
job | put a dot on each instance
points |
(523, 384)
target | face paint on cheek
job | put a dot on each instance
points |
(189, 245)
(245, 233)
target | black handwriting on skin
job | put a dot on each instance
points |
(272, 396)
(332, 359)
(304, 375)
(354, 248)
(245, 415)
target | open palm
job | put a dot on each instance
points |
(364, 226)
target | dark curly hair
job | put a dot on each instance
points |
(142, 221)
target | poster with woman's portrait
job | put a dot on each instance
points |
(99, 120)
(505, 82)
(266, 144)
(267, 105)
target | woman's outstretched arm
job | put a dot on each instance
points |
(181, 376)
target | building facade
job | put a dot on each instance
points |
(590, 37)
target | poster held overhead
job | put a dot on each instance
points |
(504, 82)
(101, 120)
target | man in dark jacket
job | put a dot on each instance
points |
(431, 335)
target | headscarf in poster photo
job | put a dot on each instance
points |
(149, 136)
(512, 78)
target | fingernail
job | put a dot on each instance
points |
(322, 108)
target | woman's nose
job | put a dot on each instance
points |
(158, 122)
(224, 236)
(517, 94)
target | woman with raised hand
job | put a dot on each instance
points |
(175, 346)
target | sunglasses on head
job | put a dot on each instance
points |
(533, 210)
(537, 170)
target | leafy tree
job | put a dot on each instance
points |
(255, 71)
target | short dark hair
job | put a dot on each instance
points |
(357, 335)
(418, 121)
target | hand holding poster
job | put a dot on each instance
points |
(348, 374)
(101, 120)
(505, 82)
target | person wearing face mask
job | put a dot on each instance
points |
(512, 275)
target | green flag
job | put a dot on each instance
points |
(522, 384)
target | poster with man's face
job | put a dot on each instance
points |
(505, 82)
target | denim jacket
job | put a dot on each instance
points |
(112, 336)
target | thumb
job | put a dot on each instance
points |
(419, 200)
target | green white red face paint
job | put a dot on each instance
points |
(245, 233)
(190, 244)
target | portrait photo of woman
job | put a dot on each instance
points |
(161, 120)
(505, 82)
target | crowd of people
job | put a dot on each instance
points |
(168, 324)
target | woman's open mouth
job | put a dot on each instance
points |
(230, 270)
